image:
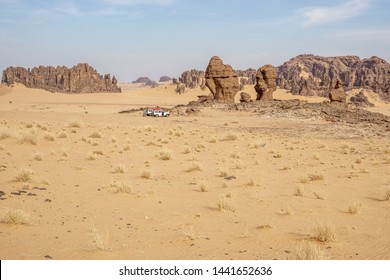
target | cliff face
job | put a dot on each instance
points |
(81, 78)
(316, 75)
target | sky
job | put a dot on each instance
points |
(134, 38)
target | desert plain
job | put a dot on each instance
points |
(78, 180)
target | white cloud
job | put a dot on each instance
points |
(345, 10)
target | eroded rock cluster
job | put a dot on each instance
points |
(81, 78)
(193, 79)
(222, 80)
(337, 94)
(316, 75)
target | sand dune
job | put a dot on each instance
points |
(94, 184)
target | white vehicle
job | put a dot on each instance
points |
(156, 112)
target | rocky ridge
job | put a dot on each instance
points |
(316, 75)
(81, 78)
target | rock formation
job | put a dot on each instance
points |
(337, 94)
(245, 97)
(81, 78)
(180, 88)
(193, 79)
(265, 82)
(247, 77)
(222, 80)
(316, 75)
(360, 100)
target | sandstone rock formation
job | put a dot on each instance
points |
(180, 88)
(193, 78)
(360, 100)
(81, 78)
(222, 80)
(337, 94)
(265, 82)
(316, 75)
(245, 97)
(247, 77)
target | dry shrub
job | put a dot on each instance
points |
(300, 191)
(27, 137)
(74, 124)
(309, 251)
(319, 195)
(37, 156)
(146, 174)
(225, 204)
(194, 166)
(119, 168)
(48, 137)
(24, 175)
(5, 133)
(354, 208)
(316, 177)
(120, 187)
(230, 136)
(14, 217)
(324, 233)
(100, 242)
(95, 134)
(165, 154)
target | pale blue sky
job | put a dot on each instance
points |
(132, 38)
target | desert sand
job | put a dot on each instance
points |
(81, 181)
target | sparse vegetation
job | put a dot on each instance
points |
(324, 233)
(194, 166)
(309, 251)
(203, 186)
(4, 133)
(24, 175)
(48, 137)
(319, 195)
(74, 124)
(259, 144)
(95, 134)
(165, 154)
(225, 204)
(316, 177)
(387, 195)
(120, 187)
(119, 168)
(27, 137)
(14, 217)
(91, 156)
(100, 242)
(354, 208)
(300, 191)
(146, 174)
(37, 156)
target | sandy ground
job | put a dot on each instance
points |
(220, 185)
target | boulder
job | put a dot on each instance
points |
(337, 94)
(245, 97)
(221, 80)
(265, 82)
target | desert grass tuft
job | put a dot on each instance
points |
(259, 144)
(63, 135)
(300, 191)
(165, 154)
(24, 175)
(324, 233)
(146, 174)
(319, 195)
(100, 242)
(316, 177)
(74, 124)
(223, 172)
(91, 156)
(120, 187)
(37, 156)
(95, 134)
(48, 137)
(14, 217)
(202, 186)
(28, 137)
(119, 168)
(194, 166)
(5, 133)
(225, 204)
(354, 208)
(309, 251)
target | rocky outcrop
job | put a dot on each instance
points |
(245, 97)
(164, 79)
(222, 80)
(265, 82)
(193, 79)
(360, 100)
(337, 94)
(81, 78)
(316, 75)
(247, 77)
(180, 88)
